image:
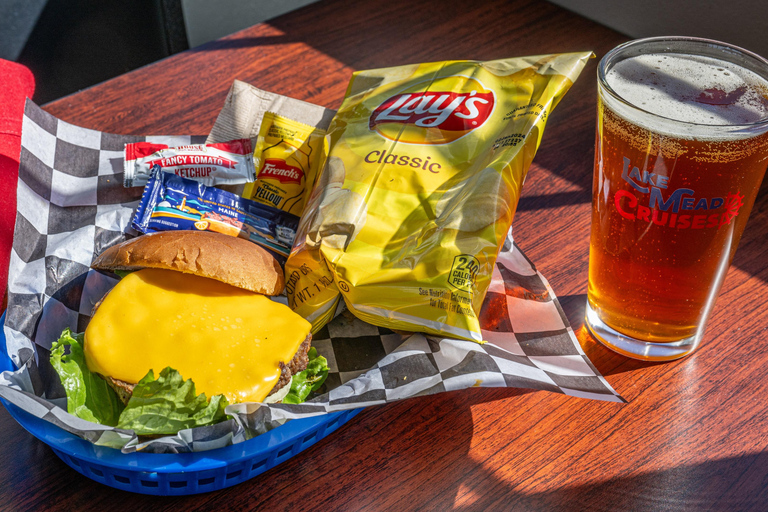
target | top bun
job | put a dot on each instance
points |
(228, 259)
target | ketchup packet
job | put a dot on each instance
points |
(224, 163)
(171, 203)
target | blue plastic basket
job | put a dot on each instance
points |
(176, 474)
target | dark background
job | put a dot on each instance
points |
(78, 43)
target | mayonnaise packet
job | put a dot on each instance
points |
(286, 156)
(418, 192)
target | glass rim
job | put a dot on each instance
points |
(609, 57)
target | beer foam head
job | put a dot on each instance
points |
(689, 89)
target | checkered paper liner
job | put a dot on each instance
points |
(72, 205)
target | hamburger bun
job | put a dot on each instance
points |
(228, 259)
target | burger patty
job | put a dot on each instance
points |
(295, 365)
(298, 364)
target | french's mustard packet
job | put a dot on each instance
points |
(424, 171)
(286, 157)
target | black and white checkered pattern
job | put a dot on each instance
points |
(71, 205)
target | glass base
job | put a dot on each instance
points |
(635, 348)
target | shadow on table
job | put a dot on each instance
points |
(244, 42)
(453, 477)
(733, 484)
(750, 256)
(555, 200)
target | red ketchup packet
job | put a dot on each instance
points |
(224, 163)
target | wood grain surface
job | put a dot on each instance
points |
(694, 434)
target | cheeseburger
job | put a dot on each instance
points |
(196, 302)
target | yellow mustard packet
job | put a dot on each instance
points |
(425, 168)
(286, 156)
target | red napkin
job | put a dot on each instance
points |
(17, 85)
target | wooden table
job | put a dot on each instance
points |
(694, 434)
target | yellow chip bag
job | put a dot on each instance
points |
(419, 189)
(286, 157)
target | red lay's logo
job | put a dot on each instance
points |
(453, 107)
(282, 171)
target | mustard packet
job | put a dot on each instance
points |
(419, 189)
(286, 156)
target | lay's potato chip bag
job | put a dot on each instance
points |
(425, 168)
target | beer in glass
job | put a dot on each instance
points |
(682, 147)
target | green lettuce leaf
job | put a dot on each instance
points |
(161, 406)
(165, 405)
(88, 396)
(122, 273)
(303, 383)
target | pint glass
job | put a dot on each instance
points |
(682, 147)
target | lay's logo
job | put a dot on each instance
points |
(451, 108)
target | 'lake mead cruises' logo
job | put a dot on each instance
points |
(673, 212)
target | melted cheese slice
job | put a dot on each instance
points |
(227, 340)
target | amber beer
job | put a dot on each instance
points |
(682, 147)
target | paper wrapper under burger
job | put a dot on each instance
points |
(72, 205)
